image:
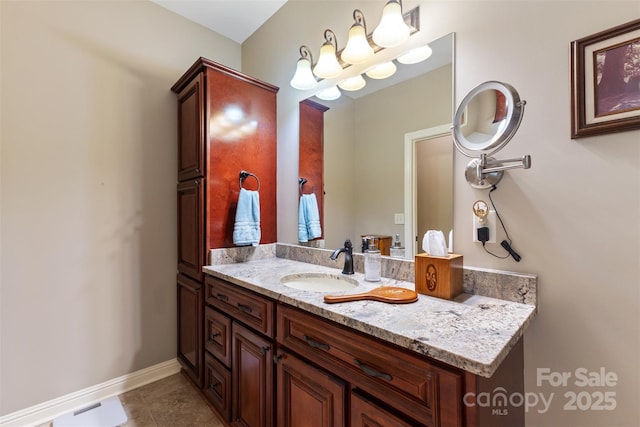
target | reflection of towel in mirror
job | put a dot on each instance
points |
(246, 230)
(308, 218)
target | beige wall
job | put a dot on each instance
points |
(88, 190)
(574, 216)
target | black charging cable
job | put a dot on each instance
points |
(483, 235)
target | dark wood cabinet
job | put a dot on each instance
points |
(239, 327)
(308, 396)
(190, 305)
(191, 249)
(191, 147)
(412, 389)
(327, 374)
(311, 152)
(226, 124)
(252, 373)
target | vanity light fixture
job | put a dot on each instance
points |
(303, 79)
(328, 66)
(329, 94)
(415, 55)
(358, 49)
(392, 30)
(382, 71)
(353, 83)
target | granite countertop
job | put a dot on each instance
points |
(473, 333)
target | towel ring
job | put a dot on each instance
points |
(302, 182)
(244, 175)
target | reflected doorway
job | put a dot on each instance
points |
(428, 186)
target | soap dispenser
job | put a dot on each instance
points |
(372, 262)
(396, 251)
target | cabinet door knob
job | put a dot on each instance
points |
(265, 349)
(277, 358)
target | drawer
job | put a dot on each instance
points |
(406, 382)
(364, 413)
(217, 386)
(248, 307)
(217, 335)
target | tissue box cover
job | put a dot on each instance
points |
(440, 277)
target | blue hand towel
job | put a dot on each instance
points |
(246, 230)
(308, 218)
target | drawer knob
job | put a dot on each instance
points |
(315, 344)
(372, 372)
(212, 337)
(222, 297)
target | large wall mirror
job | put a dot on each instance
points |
(366, 171)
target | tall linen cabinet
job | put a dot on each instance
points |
(226, 125)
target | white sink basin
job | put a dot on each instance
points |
(319, 282)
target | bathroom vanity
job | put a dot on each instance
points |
(277, 355)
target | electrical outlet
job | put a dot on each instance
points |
(489, 222)
(398, 218)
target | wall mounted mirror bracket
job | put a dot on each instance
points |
(486, 120)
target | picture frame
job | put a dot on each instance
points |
(605, 81)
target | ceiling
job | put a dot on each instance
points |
(227, 17)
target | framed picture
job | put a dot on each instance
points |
(605, 81)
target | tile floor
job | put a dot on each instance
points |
(170, 402)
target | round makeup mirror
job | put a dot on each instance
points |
(486, 120)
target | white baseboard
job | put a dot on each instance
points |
(47, 411)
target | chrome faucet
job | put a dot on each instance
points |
(348, 256)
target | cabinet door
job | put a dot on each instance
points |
(308, 396)
(191, 250)
(252, 373)
(190, 302)
(366, 413)
(191, 130)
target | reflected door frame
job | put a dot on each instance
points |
(410, 195)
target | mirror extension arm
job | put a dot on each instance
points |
(485, 172)
(524, 163)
